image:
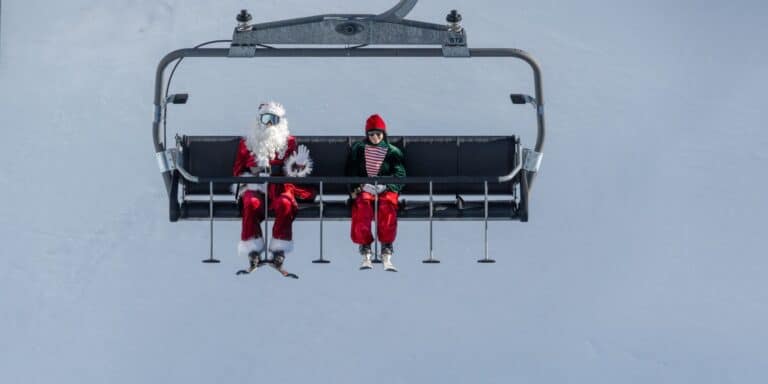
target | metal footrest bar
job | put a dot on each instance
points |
(485, 258)
(431, 259)
(321, 260)
(210, 259)
(376, 258)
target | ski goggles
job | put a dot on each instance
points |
(269, 118)
(372, 133)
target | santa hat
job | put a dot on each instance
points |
(375, 122)
(272, 107)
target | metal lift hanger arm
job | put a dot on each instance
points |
(388, 28)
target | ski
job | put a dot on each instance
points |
(279, 269)
(255, 263)
(245, 271)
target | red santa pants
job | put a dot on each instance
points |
(284, 206)
(362, 215)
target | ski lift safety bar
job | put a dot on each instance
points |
(346, 180)
(160, 146)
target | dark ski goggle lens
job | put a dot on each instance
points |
(269, 118)
(375, 133)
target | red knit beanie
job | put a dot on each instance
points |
(375, 122)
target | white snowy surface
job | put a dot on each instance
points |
(644, 260)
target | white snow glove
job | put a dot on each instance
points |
(298, 164)
(374, 189)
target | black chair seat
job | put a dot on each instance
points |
(426, 156)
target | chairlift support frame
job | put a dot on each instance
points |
(356, 32)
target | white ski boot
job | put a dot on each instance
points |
(365, 251)
(386, 257)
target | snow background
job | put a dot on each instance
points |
(643, 262)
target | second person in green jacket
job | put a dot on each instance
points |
(375, 156)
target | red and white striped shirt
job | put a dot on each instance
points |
(374, 156)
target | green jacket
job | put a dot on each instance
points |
(393, 164)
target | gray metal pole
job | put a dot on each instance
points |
(431, 259)
(266, 220)
(210, 207)
(376, 222)
(485, 258)
(321, 260)
(485, 230)
(321, 222)
(431, 209)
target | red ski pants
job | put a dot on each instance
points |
(362, 215)
(284, 206)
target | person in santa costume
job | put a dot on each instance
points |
(270, 150)
(375, 156)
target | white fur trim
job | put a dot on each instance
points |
(240, 188)
(256, 187)
(244, 247)
(272, 107)
(280, 245)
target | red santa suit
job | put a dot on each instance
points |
(281, 197)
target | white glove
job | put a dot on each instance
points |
(298, 164)
(374, 189)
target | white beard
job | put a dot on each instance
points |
(267, 142)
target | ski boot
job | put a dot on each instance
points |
(278, 258)
(253, 263)
(365, 252)
(386, 257)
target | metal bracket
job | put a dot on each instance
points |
(165, 160)
(531, 160)
(456, 46)
(388, 28)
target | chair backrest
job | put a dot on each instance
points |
(425, 156)
(459, 156)
(209, 156)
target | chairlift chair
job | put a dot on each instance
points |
(199, 168)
